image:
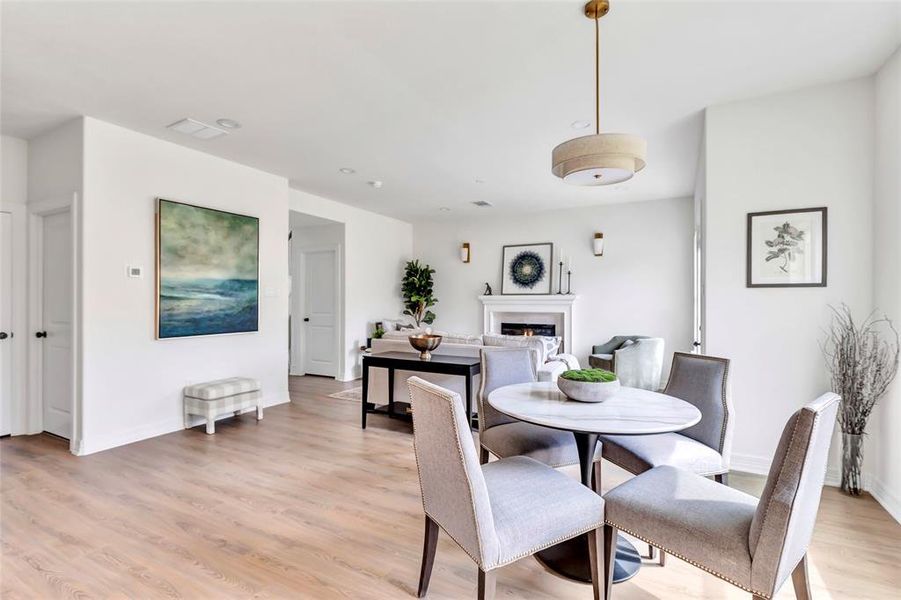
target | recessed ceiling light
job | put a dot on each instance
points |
(376, 184)
(197, 129)
(228, 123)
(347, 170)
(444, 209)
(580, 124)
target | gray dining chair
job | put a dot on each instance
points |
(498, 512)
(753, 544)
(703, 448)
(504, 436)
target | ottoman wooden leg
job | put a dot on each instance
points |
(237, 413)
(259, 412)
(211, 425)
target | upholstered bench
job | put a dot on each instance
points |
(215, 398)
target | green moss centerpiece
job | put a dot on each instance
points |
(588, 385)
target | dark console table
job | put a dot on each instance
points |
(465, 366)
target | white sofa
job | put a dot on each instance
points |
(458, 346)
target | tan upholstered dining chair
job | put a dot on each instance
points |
(703, 448)
(505, 436)
(498, 512)
(753, 544)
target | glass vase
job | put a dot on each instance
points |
(852, 462)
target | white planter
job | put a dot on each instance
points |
(587, 391)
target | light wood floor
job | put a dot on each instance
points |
(304, 504)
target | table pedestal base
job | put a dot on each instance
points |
(570, 560)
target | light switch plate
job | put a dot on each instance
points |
(134, 271)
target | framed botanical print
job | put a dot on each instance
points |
(527, 269)
(787, 248)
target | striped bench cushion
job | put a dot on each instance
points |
(212, 390)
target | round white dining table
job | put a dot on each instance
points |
(629, 411)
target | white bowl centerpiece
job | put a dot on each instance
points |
(588, 385)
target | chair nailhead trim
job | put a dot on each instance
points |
(688, 560)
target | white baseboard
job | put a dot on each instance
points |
(758, 465)
(747, 463)
(144, 432)
(889, 501)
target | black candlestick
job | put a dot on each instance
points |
(569, 282)
(560, 285)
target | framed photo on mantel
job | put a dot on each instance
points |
(527, 269)
(787, 248)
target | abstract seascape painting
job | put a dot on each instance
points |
(207, 271)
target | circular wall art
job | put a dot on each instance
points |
(527, 269)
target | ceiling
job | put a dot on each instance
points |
(445, 102)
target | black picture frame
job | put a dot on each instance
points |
(751, 245)
(544, 246)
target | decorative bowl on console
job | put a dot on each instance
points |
(588, 385)
(425, 343)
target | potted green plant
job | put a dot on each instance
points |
(416, 288)
(588, 385)
(862, 364)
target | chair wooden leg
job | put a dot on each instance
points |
(487, 584)
(596, 478)
(483, 456)
(594, 562)
(610, 535)
(722, 478)
(662, 558)
(652, 552)
(801, 581)
(429, 547)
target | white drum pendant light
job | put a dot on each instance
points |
(602, 158)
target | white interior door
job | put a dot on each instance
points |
(6, 314)
(319, 312)
(56, 340)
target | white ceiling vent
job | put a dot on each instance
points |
(197, 129)
(482, 203)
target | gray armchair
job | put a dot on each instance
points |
(752, 544)
(505, 436)
(637, 360)
(499, 512)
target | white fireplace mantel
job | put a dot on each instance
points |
(558, 307)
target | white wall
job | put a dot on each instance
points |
(886, 460)
(132, 382)
(304, 238)
(642, 284)
(55, 162)
(808, 148)
(375, 250)
(14, 158)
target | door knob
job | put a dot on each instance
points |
(306, 319)
(40, 334)
(3, 335)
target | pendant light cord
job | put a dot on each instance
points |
(597, 75)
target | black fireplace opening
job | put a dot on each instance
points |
(529, 329)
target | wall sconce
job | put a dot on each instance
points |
(598, 244)
(465, 254)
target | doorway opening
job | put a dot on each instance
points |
(315, 320)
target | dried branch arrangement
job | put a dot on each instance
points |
(862, 365)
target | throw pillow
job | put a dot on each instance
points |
(534, 343)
